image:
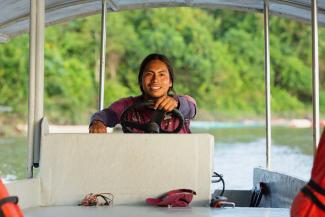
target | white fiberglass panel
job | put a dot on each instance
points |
(131, 167)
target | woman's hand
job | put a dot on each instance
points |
(166, 103)
(97, 127)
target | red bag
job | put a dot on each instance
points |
(174, 198)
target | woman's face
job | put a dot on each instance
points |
(156, 80)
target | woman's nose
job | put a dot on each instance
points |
(155, 78)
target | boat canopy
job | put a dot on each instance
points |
(14, 15)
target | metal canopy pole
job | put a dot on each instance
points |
(102, 57)
(39, 79)
(316, 131)
(267, 84)
(36, 81)
(31, 93)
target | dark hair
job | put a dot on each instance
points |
(162, 58)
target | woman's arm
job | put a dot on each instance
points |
(110, 116)
(187, 106)
(100, 120)
(107, 116)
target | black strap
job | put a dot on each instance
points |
(257, 194)
(106, 199)
(256, 197)
(12, 199)
(316, 187)
(220, 176)
(307, 192)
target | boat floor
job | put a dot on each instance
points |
(144, 211)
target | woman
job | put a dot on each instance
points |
(156, 78)
(310, 201)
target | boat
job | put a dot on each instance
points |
(134, 167)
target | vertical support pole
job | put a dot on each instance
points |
(31, 93)
(36, 82)
(102, 57)
(267, 84)
(316, 131)
(39, 78)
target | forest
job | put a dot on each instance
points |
(218, 58)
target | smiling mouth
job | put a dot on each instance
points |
(155, 88)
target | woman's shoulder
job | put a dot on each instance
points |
(188, 98)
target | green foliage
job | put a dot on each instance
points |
(218, 58)
(114, 90)
(14, 75)
(69, 72)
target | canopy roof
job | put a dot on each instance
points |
(14, 14)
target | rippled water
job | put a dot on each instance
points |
(13, 158)
(236, 162)
(237, 152)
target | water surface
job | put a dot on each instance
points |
(239, 150)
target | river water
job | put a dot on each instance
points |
(237, 151)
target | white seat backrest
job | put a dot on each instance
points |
(132, 167)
